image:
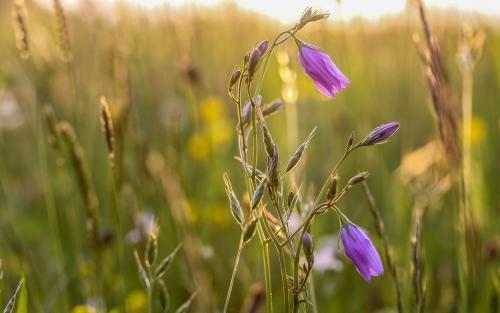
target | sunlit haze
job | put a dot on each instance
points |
(344, 9)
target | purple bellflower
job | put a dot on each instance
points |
(359, 248)
(319, 66)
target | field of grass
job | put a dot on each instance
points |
(87, 216)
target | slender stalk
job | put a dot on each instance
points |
(235, 269)
(267, 273)
(323, 189)
(281, 258)
(312, 292)
(418, 283)
(307, 222)
(379, 225)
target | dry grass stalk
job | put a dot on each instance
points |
(470, 51)
(379, 225)
(107, 129)
(417, 259)
(63, 31)
(444, 105)
(85, 184)
(53, 127)
(20, 28)
(54, 136)
(181, 212)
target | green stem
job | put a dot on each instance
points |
(281, 258)
(235, 269)
(267, 273)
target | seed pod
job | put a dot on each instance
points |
(299, 152)
(234, 204)
(249, 231)
(307, 244)
(235, 76)
(259, 192)
(332, 188)
(357, 178)
(268, 141)
(165, 263)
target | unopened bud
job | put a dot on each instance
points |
(274, 175)
(253, 61)
(357, 178)
(332, 188)
(272, 107)
(258, 194)
(249, 231)
(234, 78)
(262, 47)
(307, 244)
(268, 141)
(350, 141)
(234, 204)
(380, 134)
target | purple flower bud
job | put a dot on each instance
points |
(253, 61)
(380, 134)
(255, 56)
(234, 78)
(359, 248)
(319, 66)
(262, 47)
(307, 243)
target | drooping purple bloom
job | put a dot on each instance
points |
(380, 134)
(319, 66)
(359, 248)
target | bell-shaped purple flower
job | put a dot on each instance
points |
(359, 248)
(319, 66)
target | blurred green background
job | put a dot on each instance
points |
(164, 74)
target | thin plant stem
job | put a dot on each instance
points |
(281, 259)
(418, 283)
(306, 223)
(235, 270)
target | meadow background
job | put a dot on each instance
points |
(164, 74)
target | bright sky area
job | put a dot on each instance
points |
(289, 10)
